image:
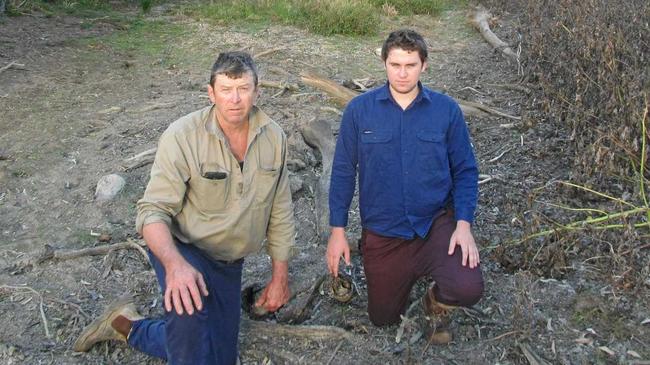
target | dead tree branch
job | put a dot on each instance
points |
(314, 333)
(480, 22)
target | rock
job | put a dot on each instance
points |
(296, 183)
(318, 135)
(71, 184)
(296, 164)
(104, 237)
(108, 187)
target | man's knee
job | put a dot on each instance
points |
(468, 293)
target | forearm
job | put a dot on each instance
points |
(159, 240)
(280, 271)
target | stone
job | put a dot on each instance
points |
(296, 183)
(108, 187)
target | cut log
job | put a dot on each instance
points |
(252, 328)
(480, 21)
(342, 95)
(318, 135)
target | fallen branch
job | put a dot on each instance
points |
(480, 22)
(152, 107)
(50, 253)
(267, 52)
(40, 307)
(278, 85)
(11, 64)
(531, 356)
(485, 109)
(151, 151)
(315, 333)
(515, 87)
(138, 164)
(334, 352)
(341, 94)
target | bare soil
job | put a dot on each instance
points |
(82, 104)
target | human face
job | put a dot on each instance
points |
(403, 69)
(233, 98)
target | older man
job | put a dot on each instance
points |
(219, 186)
(418, 189)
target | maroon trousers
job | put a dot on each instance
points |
(393, 265)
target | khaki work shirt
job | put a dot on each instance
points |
(198, 190)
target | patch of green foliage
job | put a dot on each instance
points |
(150, 38)
(83, 8)
(348, 17)
(409, 7)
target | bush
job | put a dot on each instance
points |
(408, 7)
(351, 17)
(592, 61)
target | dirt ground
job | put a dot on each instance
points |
(93, 93)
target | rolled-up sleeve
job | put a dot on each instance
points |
(163, 197)
(280, 233)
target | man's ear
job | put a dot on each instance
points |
(211, 94)
(424, 66)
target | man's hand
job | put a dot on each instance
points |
(184, 287)
(462, 237)
(277, 293)
(183, 283)
(337, 246)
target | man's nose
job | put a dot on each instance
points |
(234, 97)
(402, 72)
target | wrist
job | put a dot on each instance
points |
(463, 225)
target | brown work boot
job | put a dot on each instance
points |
(113, 324)
(438, 320)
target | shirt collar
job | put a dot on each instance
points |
(384, 93)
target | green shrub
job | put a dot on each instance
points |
(408, 7)
(350, 17)
(322, 17)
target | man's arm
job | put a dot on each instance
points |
(280, 237)
(162, 200)
(343, 179)
(464, 173)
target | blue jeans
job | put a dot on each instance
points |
(208, 336)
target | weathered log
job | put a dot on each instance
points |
(342, 95)
(318, 134)
(480, 21)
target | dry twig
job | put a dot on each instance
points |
(11, 64)
(267, 52)
(40, 307)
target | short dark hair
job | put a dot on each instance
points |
(406, 39)
(233, 64)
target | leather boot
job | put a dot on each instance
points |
(438, 319)
(113, 324)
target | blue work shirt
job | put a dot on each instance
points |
(412, 163)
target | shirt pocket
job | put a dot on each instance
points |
(432, 150)
(371, 137)
(376, 152)
(266, 180)
(211, 189)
